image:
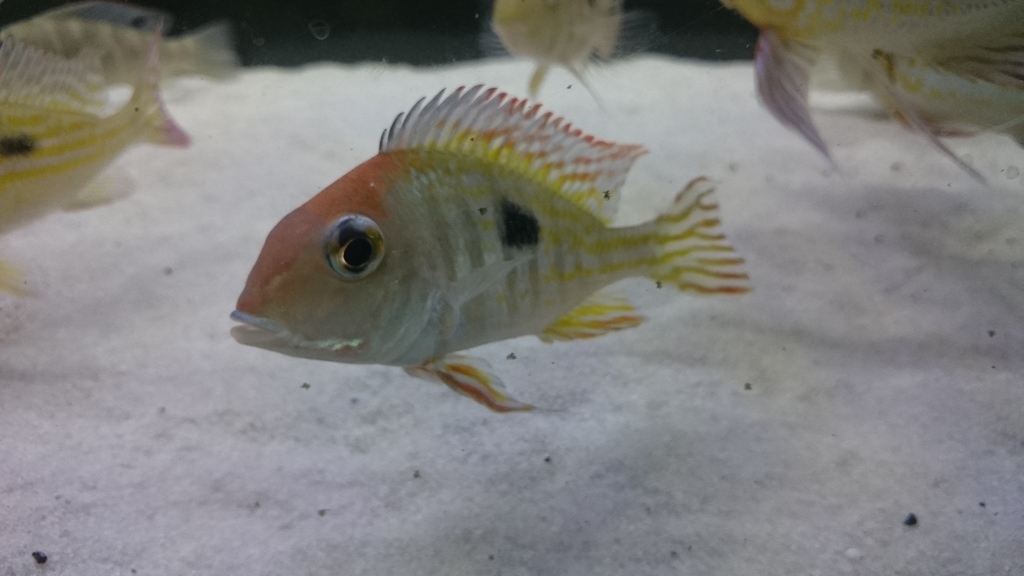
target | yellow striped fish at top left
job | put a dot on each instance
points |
(119, 35)
(54, 142)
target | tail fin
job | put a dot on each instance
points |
(693, 253)
(209, 51)
(160, 128)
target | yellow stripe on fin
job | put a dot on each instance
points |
(492, 126)
(693, 252)
(470, 377)
(601, 313)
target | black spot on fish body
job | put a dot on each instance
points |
(519, 227)
(19, 145)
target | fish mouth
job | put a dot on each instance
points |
(257, 331)
(270, 334)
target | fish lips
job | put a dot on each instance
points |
(268, 334)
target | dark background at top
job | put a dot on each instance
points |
(413, 31)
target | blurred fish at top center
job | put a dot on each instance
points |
(566, 33)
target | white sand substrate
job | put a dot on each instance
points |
(883, 345)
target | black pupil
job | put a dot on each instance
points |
(357, 253)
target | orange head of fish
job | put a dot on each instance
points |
(330, 282)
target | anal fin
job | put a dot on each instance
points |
(783, 68)
(470, 377)
(904, 111)
(601, 313)
(1001, 62)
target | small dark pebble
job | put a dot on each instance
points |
(547, 459)
(305, 386)
(511, 356)
(39, 557)
(674, 554)
(168, 270)
(355, 400)
(747, 386)
(982, 504)
(991, 333)
(322, 511)
(416, 474)
(490, 556)
(133, 570)
(910, 520)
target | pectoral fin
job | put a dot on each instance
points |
(477, 281)
(470, 377)
(601, 313)
(782, 68)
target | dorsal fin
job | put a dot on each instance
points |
(33, 77)
(491, 125)
(118, 14)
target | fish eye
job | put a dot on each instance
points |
(354, 246)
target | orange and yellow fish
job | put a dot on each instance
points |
(482, 218)
(919, 57)
(55, 137)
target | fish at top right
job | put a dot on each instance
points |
(941, 67)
